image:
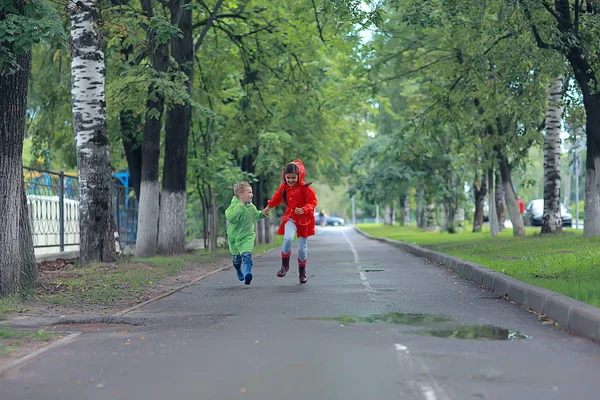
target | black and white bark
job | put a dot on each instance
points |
(568, 23)
(500, 203)
(15, 237)
(406, 213)
(96, 217)
(479, 193)
(148, 209)
(510, 198)
(551, 219)
(492, 215)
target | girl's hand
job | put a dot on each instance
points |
(299, 211)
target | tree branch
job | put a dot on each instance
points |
(415, 70)
(220, 16)
(318, 23)
(539, 41)
(209, 23)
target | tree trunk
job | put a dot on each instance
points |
(429, 216)
(500, 203)
(406, 210)
(14, 243)
(132, 145)
(148, 212)
(419, 207)
(567, 191)
(29, 272)
(479, 193)
(551, 219)
(511, 199)
(96, 218)
(171, 235)
(388, 215)
(584, 74)
(492, 215)
(215, 225)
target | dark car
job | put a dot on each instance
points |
(535, 210)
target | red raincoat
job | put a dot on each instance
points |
(298, 195)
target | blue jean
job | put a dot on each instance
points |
(288, 239)
(245, 258)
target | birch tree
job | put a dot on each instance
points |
(551, 219)
(96, 218)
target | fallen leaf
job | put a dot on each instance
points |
(126, 344)
(142, 338)
(243, 390)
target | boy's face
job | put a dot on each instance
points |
(291, 179)
(246, 196)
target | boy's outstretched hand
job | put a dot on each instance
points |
(266, 211)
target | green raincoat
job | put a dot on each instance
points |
(240, 233)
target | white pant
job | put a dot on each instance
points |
(288, 239)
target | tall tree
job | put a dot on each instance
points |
(574, 25)
(27, 25)
(96, 216)
(148, 213)
(551, 219)
(171, 235)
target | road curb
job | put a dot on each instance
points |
(573, 315)
(60, 342)
(162, 296)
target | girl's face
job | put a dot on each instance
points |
(246, 197)
(291, 179)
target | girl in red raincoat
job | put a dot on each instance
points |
(299, 217)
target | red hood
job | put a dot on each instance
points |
(301, 169)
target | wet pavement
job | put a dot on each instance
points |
(372, 323)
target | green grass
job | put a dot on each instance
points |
(9, 304)
(131, 278)
(10, 339)
(567, 263)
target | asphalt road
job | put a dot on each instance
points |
(220, 339)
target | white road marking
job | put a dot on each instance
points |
(426, 383)
(363, 275)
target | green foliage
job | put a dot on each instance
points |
(21, 28)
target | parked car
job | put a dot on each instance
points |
(535, 210)
(330, 221)
(335, 221)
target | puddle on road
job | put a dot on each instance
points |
(475, 333)
(373, 269)
(387, 318)
(483, 332)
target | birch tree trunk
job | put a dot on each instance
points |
(15, 243)
(500, 203)
(96, 218)
(429, 216)
(551, 219)
(511, 199)
(492, 215)
(406, 210)
(148, 213)
(479, 193)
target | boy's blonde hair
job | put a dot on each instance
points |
(240, 188)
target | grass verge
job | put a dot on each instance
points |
(11, 340)
(567, 263)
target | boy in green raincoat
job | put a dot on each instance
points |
(242, 215)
